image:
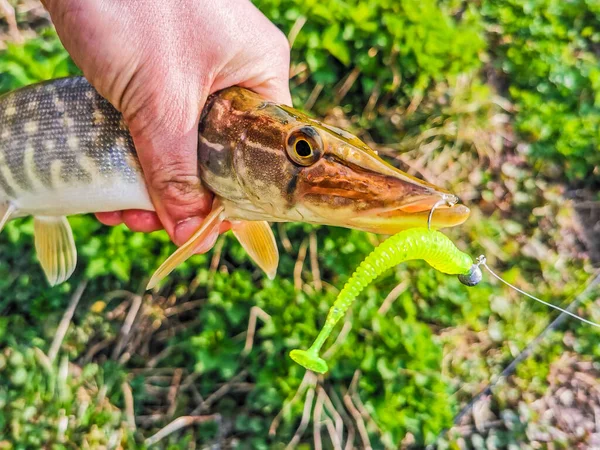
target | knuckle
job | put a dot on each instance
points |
(177, 189)
(140, 112)
(66, 13)
(281, 40)
(280, 45)
(281, 52)
(174, 181)
(150, 114)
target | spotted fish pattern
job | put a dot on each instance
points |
(63, 138)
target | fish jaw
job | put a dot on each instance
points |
(390, 223)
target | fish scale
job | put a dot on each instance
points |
(65, 150)
(78, 147)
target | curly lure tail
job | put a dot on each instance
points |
(415, 243)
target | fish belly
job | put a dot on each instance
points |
(65, 150)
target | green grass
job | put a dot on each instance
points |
(425, 92)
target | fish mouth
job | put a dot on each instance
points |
(380, 199)
(415, 213)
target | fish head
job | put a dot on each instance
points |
(283, 165)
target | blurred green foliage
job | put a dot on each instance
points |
(548, 56)
(416, 42)
(38, 59)
(410, 58)
(44, 405)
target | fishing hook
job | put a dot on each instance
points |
(438, 203)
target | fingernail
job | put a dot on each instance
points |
(185, 229)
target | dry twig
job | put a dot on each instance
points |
(358, 402)
(189, 381)
(221, 392)
(356, 415)
(310, 395)
(314, 262)
(295, 30)
(300, 265)
(129, 405)
(172, 331)
(339, 421)
(347, 420)
(196, 394)
(392, 296)
(310, 379)
(173, 390)
(314, 95)
(285, 240)
(373, 98)
(216, 257)
(179, 423)
(11, 19)
(255, 312)
(317, 420)
(97, 347)
(183, 307)
(126, 328)
(148, 420)
(346, 85)
(362, 429)
(339, 340)
(159, 356)
(335, 440)
(63, 326)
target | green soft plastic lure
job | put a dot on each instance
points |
(415, 243)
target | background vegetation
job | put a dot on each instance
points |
(498, 101)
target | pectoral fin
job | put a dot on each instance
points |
(55, 248)
(258, 241)
(6, 211)
(208, 231)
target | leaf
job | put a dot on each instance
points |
(121, 267)
(333, 42)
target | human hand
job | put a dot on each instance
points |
(157, 61)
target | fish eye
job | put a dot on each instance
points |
(304, 146)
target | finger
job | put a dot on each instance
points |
(139, 220)
(110, 218)
(170, 164)
(277, 86)
(276, 90)
(190, 226)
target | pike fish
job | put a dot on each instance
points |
(65, 150)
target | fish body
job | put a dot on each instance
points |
(65, 150)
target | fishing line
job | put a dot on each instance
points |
(522, 356)
(481, 261)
